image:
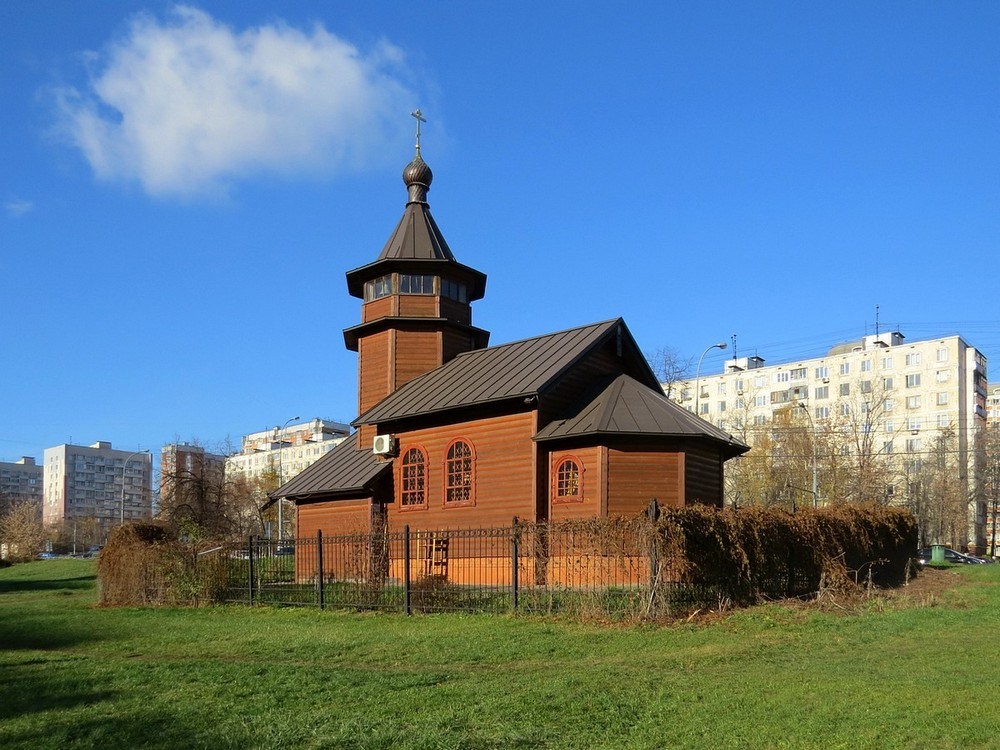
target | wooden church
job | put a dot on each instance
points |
(454, 433)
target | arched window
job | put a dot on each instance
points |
(413, 478)
(568, 481)
(459, 475)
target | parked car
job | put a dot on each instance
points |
(924, 556)
(47, 555)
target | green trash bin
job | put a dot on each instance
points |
(937, 554)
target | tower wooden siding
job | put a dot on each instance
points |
(389, 359)
(374, 371)
(504, 474)
(454, 343)
(418, 305)
(380, 308)
(414, 353)
(454, 310)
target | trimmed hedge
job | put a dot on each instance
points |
(760, 552)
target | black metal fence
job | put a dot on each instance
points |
(600, 569)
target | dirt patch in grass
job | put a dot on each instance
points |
(930, 587)
(932, 582)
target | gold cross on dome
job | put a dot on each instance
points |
(419, 116)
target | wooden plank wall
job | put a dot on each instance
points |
(454, 343)
(418, 306)
(601, 363)
(453, 310)
(504, 474)
(704, 477)
(379, 308)
(332, 518)
(637, 476)
(416, 352)
(373, 369)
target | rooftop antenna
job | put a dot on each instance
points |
(876, 321)
(733, 337)
(419, 117)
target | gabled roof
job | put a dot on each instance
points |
(625, 406)
(499, 373)
(343, 471)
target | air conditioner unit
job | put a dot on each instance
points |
(384, 445)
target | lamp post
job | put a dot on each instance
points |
(697, 374)
(281, 501)
(124, 470)
(812, 423)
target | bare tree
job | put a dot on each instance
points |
(944, 508)
(860, 465)
(204, 501)
(991, 481)
(76, 535)
(22, 535)
(669, 367)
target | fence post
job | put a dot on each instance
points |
(319, 566)
(514, 555)
(250, 582)
(653, 514)
(406, 569)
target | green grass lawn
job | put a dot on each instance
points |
(885, 676)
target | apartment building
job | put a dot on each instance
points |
(96, 481)
(286, 451)
(909, 394)
(993, 403)
(21, 479)
(183, 461)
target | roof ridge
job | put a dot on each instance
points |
(614, 389)
(494, 347)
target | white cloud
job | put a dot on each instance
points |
(18, 207)
(188, 105)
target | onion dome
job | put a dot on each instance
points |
(417, 177)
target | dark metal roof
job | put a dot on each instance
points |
(416, 245)
(351, 335)
(344, 470)
(416, 236)
(625, 406)
(515, 370)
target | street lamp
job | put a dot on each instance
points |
(812, 423)
(697, 374)
(281, 502)
(124, 470)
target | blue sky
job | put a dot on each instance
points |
(182, 188)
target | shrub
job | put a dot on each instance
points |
(145, 563)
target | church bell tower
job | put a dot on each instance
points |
(416, 311)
